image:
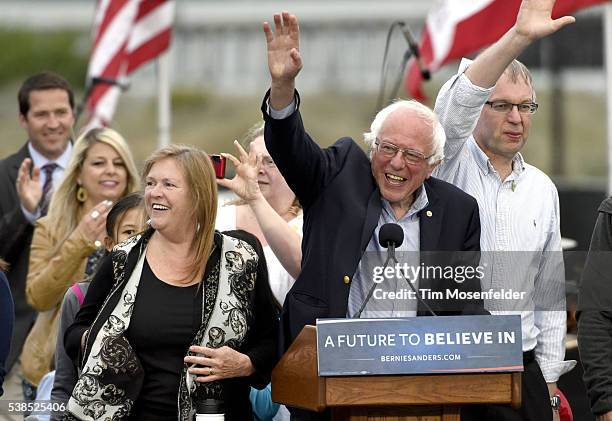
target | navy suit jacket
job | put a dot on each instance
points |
(342, 206)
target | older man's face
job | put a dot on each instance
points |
(397, 179)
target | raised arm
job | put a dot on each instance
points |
(460, 100)
(284, 241)
(306, 167)
(15, 225)
(532, 23)
(284, 60)
(49, 276)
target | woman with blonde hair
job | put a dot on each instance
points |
(68, 241)
(179, 314)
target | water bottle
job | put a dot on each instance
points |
(210, 410)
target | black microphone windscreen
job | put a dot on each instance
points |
(391, 234)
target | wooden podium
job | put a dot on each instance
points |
(295, 382)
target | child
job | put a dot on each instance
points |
(125, 219)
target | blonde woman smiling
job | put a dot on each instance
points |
(68, 241)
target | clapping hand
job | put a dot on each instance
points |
(28, 185)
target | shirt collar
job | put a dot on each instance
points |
(483, 161)
(39, 159)
(418, 205)
(518, 164)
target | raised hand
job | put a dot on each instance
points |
(532, 22)
(534, 19)
(93, 223)
(28, 186)
(245, 183)
(284, 60)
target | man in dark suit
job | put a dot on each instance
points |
(46, 104)
(347, 196)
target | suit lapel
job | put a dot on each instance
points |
(373, 211)
(430, 221)
(16, 160)
(430, 225)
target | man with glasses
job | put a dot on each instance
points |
(347, 196)
(486, 110)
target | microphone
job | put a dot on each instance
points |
(413, 46)
(100, 80)
(390, 236)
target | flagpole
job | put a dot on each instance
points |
(608, 58)
(163, 100)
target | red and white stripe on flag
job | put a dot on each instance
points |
(127, 34)
(456, 28)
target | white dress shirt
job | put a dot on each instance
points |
(519, 219)
(39, 160)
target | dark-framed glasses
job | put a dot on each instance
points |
(506, 107)
(410, 155)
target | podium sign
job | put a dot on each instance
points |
(419, 345)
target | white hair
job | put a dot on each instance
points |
(438, 137)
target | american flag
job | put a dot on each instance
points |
(456, 28)
(127, 34)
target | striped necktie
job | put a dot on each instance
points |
(47, 169)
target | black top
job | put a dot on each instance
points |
(150, 328)
(595, 314)
(161, 339)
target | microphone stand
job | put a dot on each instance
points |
(400, 73)
(391, 258)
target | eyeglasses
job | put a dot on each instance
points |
(410, 155)
(506, 107)
(268, 162)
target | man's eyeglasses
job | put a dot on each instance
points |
(506, 107)
(410, 155)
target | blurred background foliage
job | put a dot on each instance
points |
(26, 52)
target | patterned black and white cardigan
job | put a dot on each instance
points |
(233, 314)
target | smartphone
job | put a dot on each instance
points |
(218, 162)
